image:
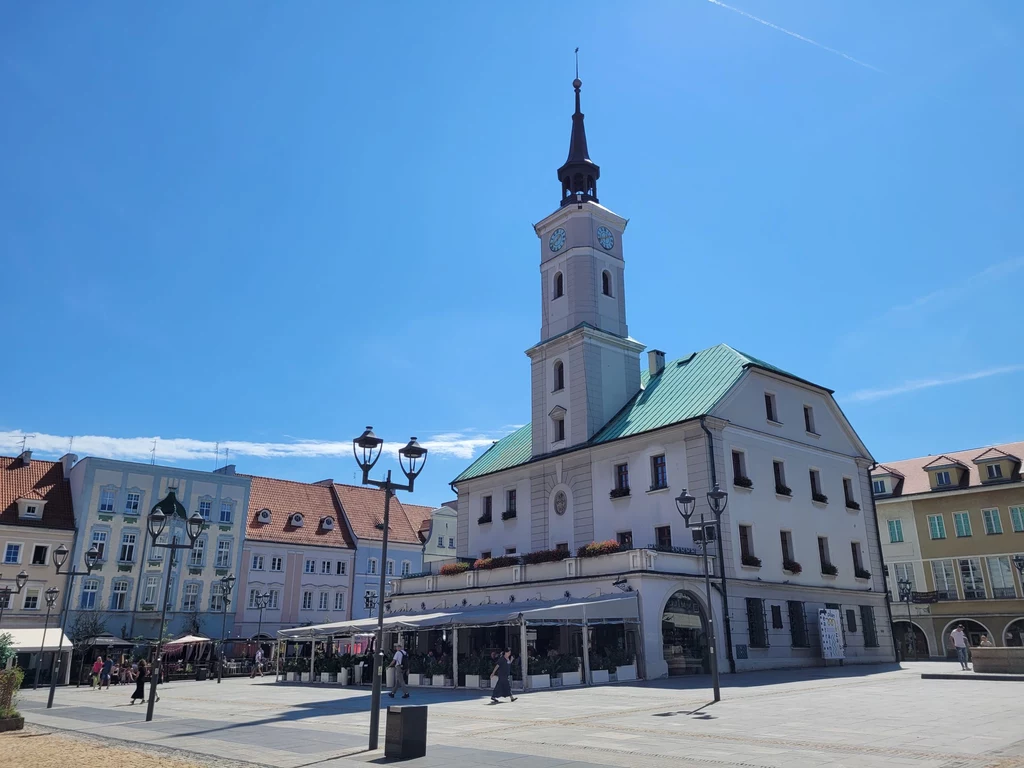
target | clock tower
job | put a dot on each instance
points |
(585, 367)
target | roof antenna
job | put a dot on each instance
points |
(577, 62)
(216, 455)
(71, 442)
(24, 440)
(152, 455)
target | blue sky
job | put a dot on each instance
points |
(271, 224)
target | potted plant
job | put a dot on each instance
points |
(293, 669)
(600, 669)
(743, 482)
(827, 569)
(792, 566)
(783, 490)
(539, 671)
(303, 667)
(440, 673)
(415, 676)
(10, 682)
(625, 666)
(751, 561)
(477, 667)
(862, 573)
(567, 666)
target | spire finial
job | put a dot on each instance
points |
(577, 62)
(579, 174)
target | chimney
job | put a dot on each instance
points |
(227, 469)
(26, 457)
(655, 362)
(68, 460)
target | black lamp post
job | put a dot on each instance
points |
(262, 600)
(685, 503)
(168, 507)
(1018, 561)
(227, 583)
(367, 449)
(5, 592)
(60, 558)
(906, 588)
(51, 600)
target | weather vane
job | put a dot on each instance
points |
(577, 63)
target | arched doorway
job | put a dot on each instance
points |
(1013, 635)
(974, 630)
(912, 641)
(684, 635)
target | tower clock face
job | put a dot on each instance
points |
(557, 240)
(605, 238)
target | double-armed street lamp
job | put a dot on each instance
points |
(6, 592)
(168, 507)
(685, 503)
(367, 449)
(51, 600)
(60, 559)
(225, 595)
(906, 588)
(260, 600)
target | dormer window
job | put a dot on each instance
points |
(942, 478)
(30, 509)
(995, 472)
(296, 520)
(327, 523)
(263, 516)
(944, 472)
(878, 486)
(559, 287)
(995, 466)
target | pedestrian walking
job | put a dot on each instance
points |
(140, 681)
(257, 668)
(105, 671)
(398, 663)
(97, 667)
(502, 688)
(960, 644)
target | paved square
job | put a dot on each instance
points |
(854, 716)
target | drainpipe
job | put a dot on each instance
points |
(885, 570)
(721, 557)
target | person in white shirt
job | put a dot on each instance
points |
(398, 663)
(960, 644)
(257, 668)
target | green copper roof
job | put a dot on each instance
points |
(688, 388)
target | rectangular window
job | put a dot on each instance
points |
(31, 601)
(272, 602)
(858, 562)
(757, 629)
(993, 524)
(1017, 519)
(12, 555)
(878, 486)
(787, 546)
(325, 567)
(119, 596)
(962, 524)
(107, 500)
(488, 507)
(127, 553)
(390, 571)
(99, 538)
(746, 542)
(739, 466)
(197, 555)
(562, 547)
(324, 598)
(776, 617)
(848, 492)
(276, 563)
(851, 619)
(89, 590)
(7, 600)
(823, 553)
(770, 411)
(797, 624)
(659, 472)
(944, 577)
(451, 543)
(39, 553)
(895, 531)
(942, 478)
(131, 503)
(994, 471)
(780, 478)
(510, 550)
(225, 511)
(309, 566)
(205, 509)
(339, 601)
(625, 539)
(190, 601)
(867, 625)
(440, 542)
(371, 566)
(485, 555)
(622, 477)
(903, 572)
(257, 562)
(1000, 574)
(340, 569)
(217, 596)
(307, 601)
(971, 578)
(223, 554)
(253, 593)
(936, 527)
(809, 420)
(406, 568)
(559, 430)
(510, 500)
(815, 477)
(663, 537)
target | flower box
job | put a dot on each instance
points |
(860, 573)
(325, 677)
(472, 681)
(783, 490)
(850, 504)
(743, 482)
(438, 681)
(571, 678)
(225, 527)
(343, 676)
(540, 681)
(415, 678)
(599, 676)
(131, 519)
(821, 498)
(508, 514)
(221, 571)
(751, 561)
(827, 569)
(792, 566)
(483, 519)
(14, 723)
(106, 518)
(305, 677)
(625, 672)
(425, 679)
(292, 677)
(124, 568)
(619, 493)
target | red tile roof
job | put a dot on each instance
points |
(38, 480)
(284, 498)
(364, 509)
(916, 476)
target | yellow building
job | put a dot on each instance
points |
(952, 525)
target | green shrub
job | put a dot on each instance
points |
(10, 682)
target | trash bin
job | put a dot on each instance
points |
(201, 673)
(405, 736)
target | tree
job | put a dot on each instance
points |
(6, 648)
(87, 626)
(192, 623)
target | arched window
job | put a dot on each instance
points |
(606, 283)
(559, 376)
(559, 286)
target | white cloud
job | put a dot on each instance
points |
(870, 395)
(456, 445)
(995, 272)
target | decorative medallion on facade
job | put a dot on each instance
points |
(561, 502)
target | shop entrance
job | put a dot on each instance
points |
(684, 635)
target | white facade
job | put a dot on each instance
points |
(441, 537)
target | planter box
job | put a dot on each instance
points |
(325, 677)
(599, 675)
(415, 678)
(343, 676)
(305, 677)
(571, 678)
(626, 673)
(438, 681)
(389, 677)
(540, 681)
(472, 681)
(358, 671)
(12, 723)
(292, 676)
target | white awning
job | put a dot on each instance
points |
(28, 640)
(612, 609)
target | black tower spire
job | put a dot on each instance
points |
(579, 175)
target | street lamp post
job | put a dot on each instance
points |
(60, 558)
(367, 449)
(168, 507)
(262, 601)
(685, 503)
(51, 599)
(226, 585)
(5, 592)
(906, 588)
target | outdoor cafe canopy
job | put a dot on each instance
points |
(609, 609)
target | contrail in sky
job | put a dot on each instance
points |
(751, 16)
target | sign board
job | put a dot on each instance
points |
(924, 597)
(699, 535)
(830, 629)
